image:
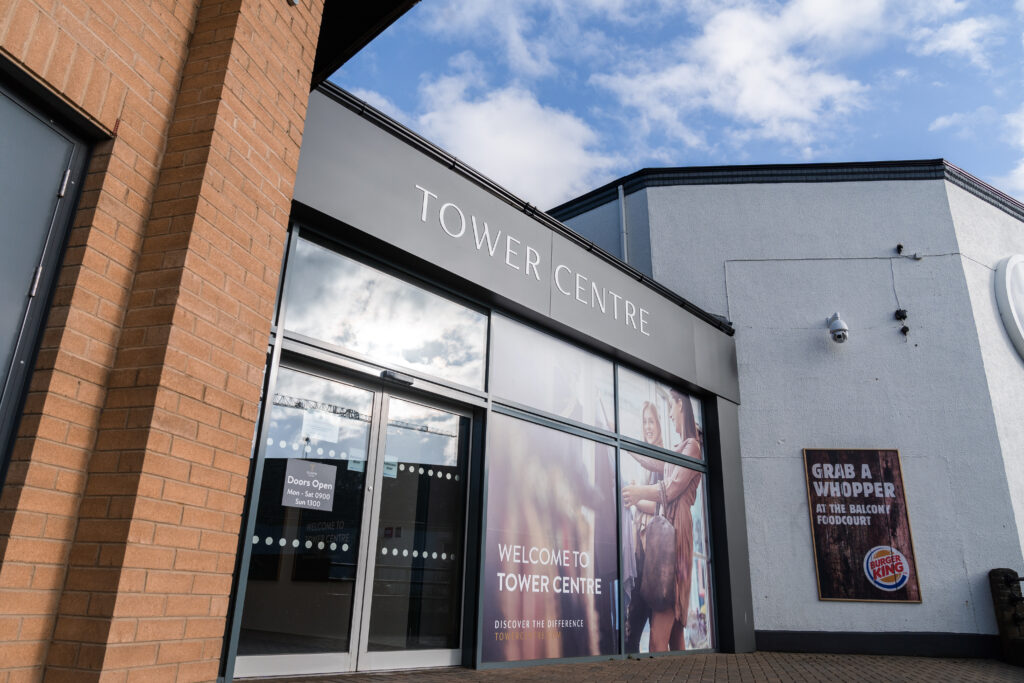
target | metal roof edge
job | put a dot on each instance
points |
(911, 169)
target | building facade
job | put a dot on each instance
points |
(213, 468)
(908, 253)
(287, 389)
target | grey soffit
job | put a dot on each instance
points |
(432, 151)
(346, 28)
(922, 169)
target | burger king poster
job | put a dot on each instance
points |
(863, 548)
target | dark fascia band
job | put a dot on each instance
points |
(385, 122)
(920, 169)
(877, 643)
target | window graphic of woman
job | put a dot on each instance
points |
(680, 485)
(638, 612)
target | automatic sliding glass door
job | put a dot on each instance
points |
(415, 606)
(356, 557)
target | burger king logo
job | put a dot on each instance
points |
(886, 568)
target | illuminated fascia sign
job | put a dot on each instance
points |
(511, 252)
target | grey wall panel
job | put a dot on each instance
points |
(781, 258)
(986, 236)
(362, 175)
(729, 529)
(600, 226)
(637, 221)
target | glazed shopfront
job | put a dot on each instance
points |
(482, 441)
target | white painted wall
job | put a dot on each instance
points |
(778, 259)
(986, 236)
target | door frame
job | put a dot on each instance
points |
(12, 393)
(357, 658)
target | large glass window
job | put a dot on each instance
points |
(349, 304)
(659, 415)
(550, 559)
(537, 370)
(666, 573)
(595, 538)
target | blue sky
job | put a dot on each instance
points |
(552, 98)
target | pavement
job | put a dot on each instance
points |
(776, 667)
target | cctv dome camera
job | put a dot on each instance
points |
(838, 329)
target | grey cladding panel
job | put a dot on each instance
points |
(366, 177)
(639, 226)
(600, 226)
(648, 327)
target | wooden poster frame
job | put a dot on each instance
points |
(904, 595)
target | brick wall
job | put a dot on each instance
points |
(119, 518)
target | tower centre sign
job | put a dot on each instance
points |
(511, 252)
(363, 173)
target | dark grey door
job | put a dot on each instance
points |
(37, 162)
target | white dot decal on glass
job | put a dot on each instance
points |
(334, 546)
(448, 476)
(415, 553)
(444, 556)
(344, 546)
(433, 556)
(320, 545)
(440, 474)
(269, 540)
(331, 453)
(319, 451)
(421, 470)
(401, 467)
(255, 539)
(430, 473)
(309, 544)
(405, 553)
(282, 541)
(295, 543)
(295, 446)
(395, 551)
(308, 449)
(456, 477)
(270, 441)
(451, 557)
(383, 551)
(282, 444)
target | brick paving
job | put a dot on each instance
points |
(774, 667)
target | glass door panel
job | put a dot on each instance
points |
(302, 576)
(417, 575)
(347, 473)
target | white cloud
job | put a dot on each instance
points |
(537, 36)
(762, 69)
(932, 10)
(544, 155)
(1013, 182)
(486, 20)
(969, 38)
(966, 124)
(1015, 127)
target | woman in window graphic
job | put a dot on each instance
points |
(638, 612)
(680, 485)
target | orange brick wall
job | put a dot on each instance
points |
(119, 518)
